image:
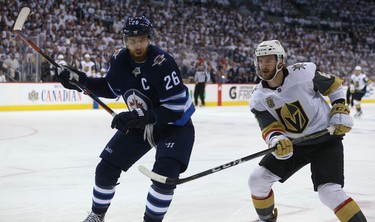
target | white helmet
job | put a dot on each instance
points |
(60, 57)
(270, 47)
(358, 68)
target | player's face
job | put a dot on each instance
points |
(137, 46)
(267, 66)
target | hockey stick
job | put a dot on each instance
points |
(21, 19)
(176, 181)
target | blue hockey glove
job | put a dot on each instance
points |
(68, 75)
(137, 118)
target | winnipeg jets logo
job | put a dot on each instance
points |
(136, 71)
(135, 99)
(159, 60)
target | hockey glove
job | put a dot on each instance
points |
(283, 147)
(67, 76)
(341, 119)
(352, 88)
(137, 118)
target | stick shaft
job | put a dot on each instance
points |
(40, 51)
(17, 30)
(176, 181)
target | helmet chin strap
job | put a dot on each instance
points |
(276, 71)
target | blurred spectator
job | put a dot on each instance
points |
(243, 78)
(61, 60)
(211, 72)
(2, 75)
(220, 75)
(11, 67)
(88, 66)
(99, 64)
(337, 35)
(46, 71)
(102, 72)
(2, 56)
(13, 51)
(76, 63)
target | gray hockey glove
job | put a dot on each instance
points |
(137, 118)
(283, 147)
(68, 75)
(341, 119)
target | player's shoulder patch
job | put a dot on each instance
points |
(117, 52)
(299, 66)
(159, 59)
(302, 66)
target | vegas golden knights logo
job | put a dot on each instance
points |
(293, 117)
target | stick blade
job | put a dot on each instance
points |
(25, 11)
(152, 175)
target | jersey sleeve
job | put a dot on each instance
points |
(100, 87)
(106, 86)
(176, 106)
(326, 84)
(268, 124)
(329, 85)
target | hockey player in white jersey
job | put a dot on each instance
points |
(358, 86)
(288, 103)
(59, 60)
(88, 66)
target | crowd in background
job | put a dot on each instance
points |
(221, 34)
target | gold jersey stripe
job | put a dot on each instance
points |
(275, 126)
(337, 83)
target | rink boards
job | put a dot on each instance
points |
(53, 96)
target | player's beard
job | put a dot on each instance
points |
(139, 55)
(270, 74)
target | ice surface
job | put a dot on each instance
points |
(48, 159)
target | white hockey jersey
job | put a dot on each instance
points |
(359, 82)
(298, 104)
(88, 68)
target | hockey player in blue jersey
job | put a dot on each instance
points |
(159, 114)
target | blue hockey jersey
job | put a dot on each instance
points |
(156, 84)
